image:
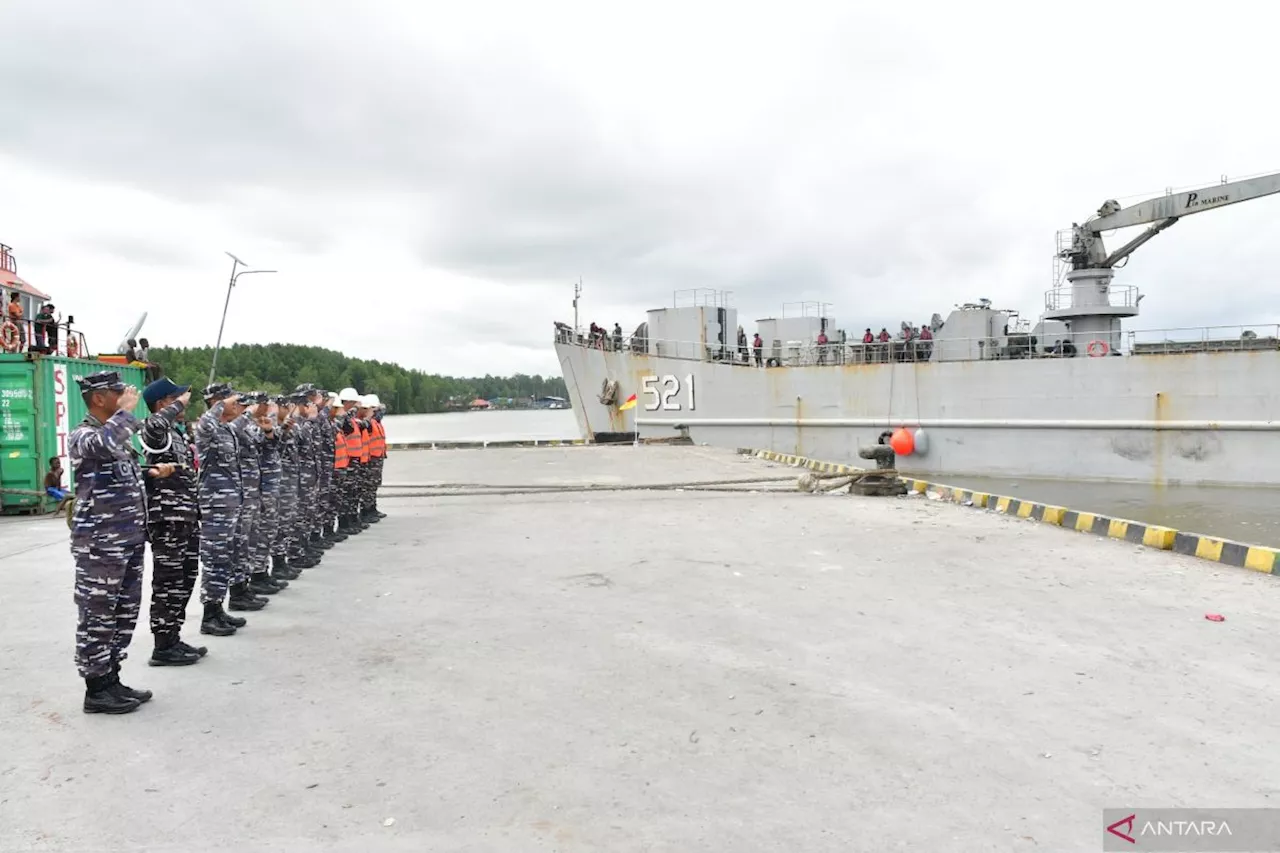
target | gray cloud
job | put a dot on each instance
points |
(891, 163)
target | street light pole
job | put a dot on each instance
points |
(235, 262)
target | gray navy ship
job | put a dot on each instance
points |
(984, 392)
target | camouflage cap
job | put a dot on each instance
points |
(259, 397)
(103, 380)
(217, 391)
(306, 388)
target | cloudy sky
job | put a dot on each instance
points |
(430, 178)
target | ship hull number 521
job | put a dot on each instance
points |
(663, 392)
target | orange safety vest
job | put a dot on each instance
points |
(366, 444)
(379, 449)
(354, 442)
(340, 457)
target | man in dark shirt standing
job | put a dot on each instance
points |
(173, 523)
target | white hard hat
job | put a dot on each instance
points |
(348, 393)
(372, 401)
(334, 401)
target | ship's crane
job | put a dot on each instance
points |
(1089, 305)
(1087, 252)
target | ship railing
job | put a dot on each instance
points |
(42, 338)
(1203, 339)
(1000, 348)
(1063, 296)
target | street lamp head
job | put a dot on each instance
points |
(237, 260)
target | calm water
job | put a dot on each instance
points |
(512, 425)
(1247, 515)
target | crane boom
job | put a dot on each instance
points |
(1087, 252)
(1184, 204)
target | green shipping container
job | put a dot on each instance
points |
(40, 405)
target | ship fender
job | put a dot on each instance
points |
(608, 392)
(922, 442)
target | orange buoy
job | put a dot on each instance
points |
(902, 442)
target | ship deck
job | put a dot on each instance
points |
(654, 670)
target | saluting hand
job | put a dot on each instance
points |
(128, 398)
(185, 398)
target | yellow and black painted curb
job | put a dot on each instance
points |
(1256, 557)
(479, 445)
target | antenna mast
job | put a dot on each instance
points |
(577, 291)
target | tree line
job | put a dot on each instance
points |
(277, 368)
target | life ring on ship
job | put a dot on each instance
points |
(1097, 349)
(9, 338)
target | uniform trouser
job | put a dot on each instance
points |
(108, 595)
(268, 524)
(339, 496)
(375, 479)
(217, 550)
(355, 483)
(325, 498)
(287, 517)
(245, 535)
(308, 490)
(175, 565)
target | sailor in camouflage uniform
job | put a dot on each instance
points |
(220, 501)
(249, 440)
(324, 537)
(173, 522)
(108, 539)
(301, 553)
(269, 512)
(288, 498)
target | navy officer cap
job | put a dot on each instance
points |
(103, 380)
(162, 388)
(217, 390)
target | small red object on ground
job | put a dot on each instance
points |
(1215, 617)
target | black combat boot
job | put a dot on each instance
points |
(141, 696)
(345, 527)
(332, 534)
(198, 651)
(168, 652)
(213, 623)
(280, 568)
(261, 584)
(243, 599)
(303, 560)
(320, 543)
(101, 698)
(227, 619)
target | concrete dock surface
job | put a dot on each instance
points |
(654, 671)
